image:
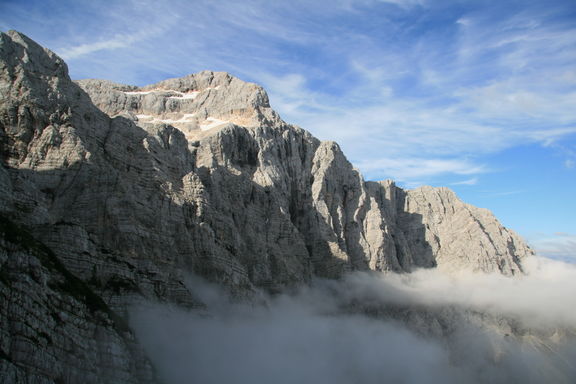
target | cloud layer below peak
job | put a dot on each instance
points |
(371, 328)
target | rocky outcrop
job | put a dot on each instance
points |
(131, 189)
(202, 167)
(458, 236)
(55, 329)
(195, 104)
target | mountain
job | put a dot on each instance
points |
(112, 195)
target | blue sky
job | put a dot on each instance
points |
(479, 96)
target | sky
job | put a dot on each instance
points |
(479, 96)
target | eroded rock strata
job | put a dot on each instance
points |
(131, 189)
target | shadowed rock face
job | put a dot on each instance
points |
(134, 188)
(54, 327)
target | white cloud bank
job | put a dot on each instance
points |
(424, 327)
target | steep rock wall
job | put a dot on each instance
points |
(134, 188)
(249, 200)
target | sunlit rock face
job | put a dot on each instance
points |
(367, 225)
(132, 189)
(195, 104)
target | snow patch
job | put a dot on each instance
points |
(182, 95)
(186, 118)
(179, 95)
(138, 92)
(213, 123)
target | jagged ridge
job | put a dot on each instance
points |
(264, 201)
(133, 188)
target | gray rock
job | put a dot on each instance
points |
(250, 202)
(134, 188)
(459, 236)
(55, 329)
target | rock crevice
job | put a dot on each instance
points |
(134, 188)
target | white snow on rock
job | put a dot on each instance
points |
(188, 95)
(138, 92)
(178, 94)
(186, 118)
(213, 123)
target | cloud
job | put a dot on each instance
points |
(502, 86)
(403, 79)
(370, 328)
(289, 344)
(503, 193)
(525, 298)
(520, 101)
(291, 94)
(414, 103)
(118, 41)
(472, 181)
(357, 5)
(560, 246)
(407, 169)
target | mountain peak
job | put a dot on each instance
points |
(198, 104)
(21, 51)
(121, 192)
(214, 122)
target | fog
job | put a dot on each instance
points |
(424, 327)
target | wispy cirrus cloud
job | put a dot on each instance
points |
(472, 181)
(424, 92)
(489, 84)
(116, 42)
(418, 80)
(560, 245)
(412, 168)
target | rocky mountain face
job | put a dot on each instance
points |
(122, 192)
(344, 222)
(55, 329)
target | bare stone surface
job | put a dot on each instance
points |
(54, 328)
(134, 188)
(458, 235)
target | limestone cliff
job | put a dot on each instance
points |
(131, 189)
(55, 329)
(341, 218)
